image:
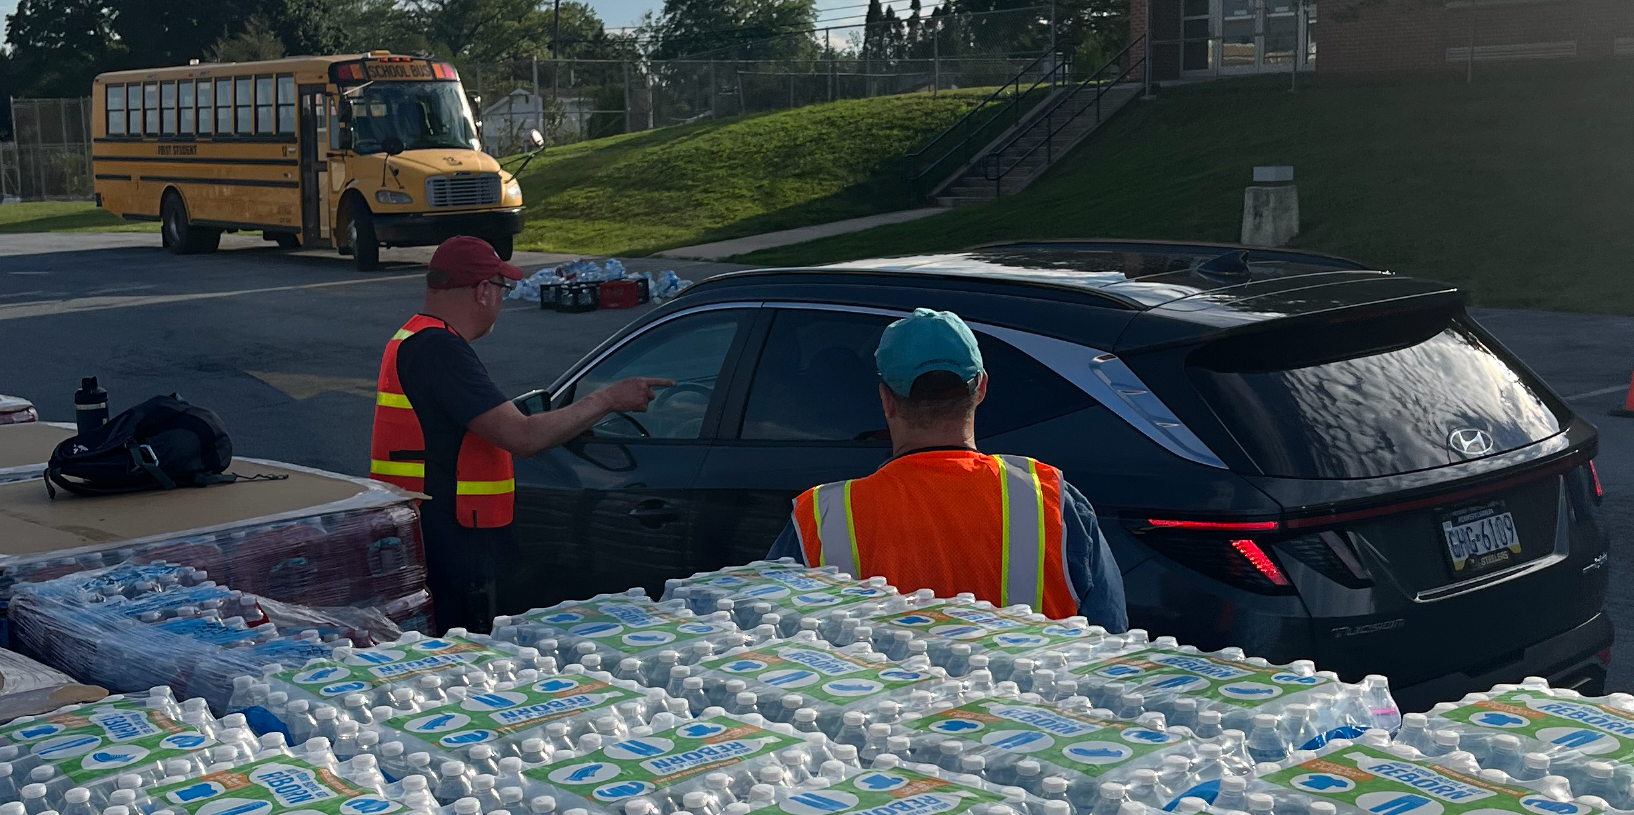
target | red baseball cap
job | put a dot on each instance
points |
(468, 261)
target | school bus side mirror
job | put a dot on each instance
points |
(536, 139)
(345, 139)
(344, 111)
(391, 145)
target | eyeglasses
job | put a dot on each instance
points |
(506, 287)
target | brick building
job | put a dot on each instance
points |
(1203, 38)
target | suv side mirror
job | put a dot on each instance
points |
(532, 403)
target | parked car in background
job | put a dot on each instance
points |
(1288, 452)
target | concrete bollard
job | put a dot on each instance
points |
(1271, 208)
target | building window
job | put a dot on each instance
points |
(150, 106)
(263, 106)
(207, 99)
(1197, 29)
(224, 107)
(167, 108)
(244, 105)
(184, 107)
(116, 110)
(286, 104)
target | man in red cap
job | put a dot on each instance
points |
(441, 428)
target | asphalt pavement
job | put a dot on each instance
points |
(285, 346)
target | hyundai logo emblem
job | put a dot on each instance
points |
(1468, 441)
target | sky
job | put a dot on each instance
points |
(616, 13)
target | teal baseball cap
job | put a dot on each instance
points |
(923, 342)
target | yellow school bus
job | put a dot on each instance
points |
(349, 152)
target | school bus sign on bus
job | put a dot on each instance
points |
(345, 152)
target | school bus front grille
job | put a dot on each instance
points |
(463, 191)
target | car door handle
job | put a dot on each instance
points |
(653, 513)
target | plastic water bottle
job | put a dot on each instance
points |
(1382, 707)
(1233, 793)
(1534, 766)
(452, 784)
(1297, 726)
(1109, 800)
(1143, 789)
(1264, 742)
(1030, 776)
(77, 801)
(1415, 732)
(1442, 742)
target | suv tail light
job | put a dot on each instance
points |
(1599, 491)
(1221, 550)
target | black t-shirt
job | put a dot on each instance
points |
(448, 387)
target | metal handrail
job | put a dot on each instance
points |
(991, 168)
(968, 131)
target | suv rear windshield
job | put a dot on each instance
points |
(1368, 398)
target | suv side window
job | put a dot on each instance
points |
(690, 350)
(816, 381)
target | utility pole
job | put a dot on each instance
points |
(555, 29)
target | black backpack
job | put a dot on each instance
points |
(162, 443)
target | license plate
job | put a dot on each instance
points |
(1481, 538)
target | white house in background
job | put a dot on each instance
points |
(505, 123)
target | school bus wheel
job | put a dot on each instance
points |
(360, 237)
(180, 236)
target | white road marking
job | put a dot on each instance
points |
(18, 311)
(1600, 392)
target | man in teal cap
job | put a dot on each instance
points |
(943, 516)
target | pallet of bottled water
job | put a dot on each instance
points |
(1375, 777)
(626, 634)
(956, 629)
(1531, 731)
(799, 598)
(131, 627)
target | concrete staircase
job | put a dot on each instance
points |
(1022, 155)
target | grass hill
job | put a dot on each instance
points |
(1515, 187)
(641, 192)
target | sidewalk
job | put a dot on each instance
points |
(787, 237)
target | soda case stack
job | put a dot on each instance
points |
(1529, 731)
(626, 634)
(84, 755)
(132, 627)
(362, 551)
(823, 600)
(1373, 776)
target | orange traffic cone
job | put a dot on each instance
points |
(1627, 410)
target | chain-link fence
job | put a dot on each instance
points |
(51, 156)
(575, 99)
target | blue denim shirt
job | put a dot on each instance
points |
(1091, 569)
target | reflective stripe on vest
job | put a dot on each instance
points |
(1023, 526)
(484, 486)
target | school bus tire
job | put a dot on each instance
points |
(504, 246)
(178, 234)
(360, 237)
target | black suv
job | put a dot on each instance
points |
(1288, 452)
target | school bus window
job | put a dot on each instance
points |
(116, 110)
(263, 105)
(224, 107)
(286, 104)
(150, 105)
(133, 110)
(184, 107)
(244, 105)
(167, 108)
(207, 116)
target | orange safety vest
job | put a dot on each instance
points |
(484, 479)
(951, 521)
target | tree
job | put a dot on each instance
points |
(58, 46)
(256, 42)
(735, 29)
(483, 30)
